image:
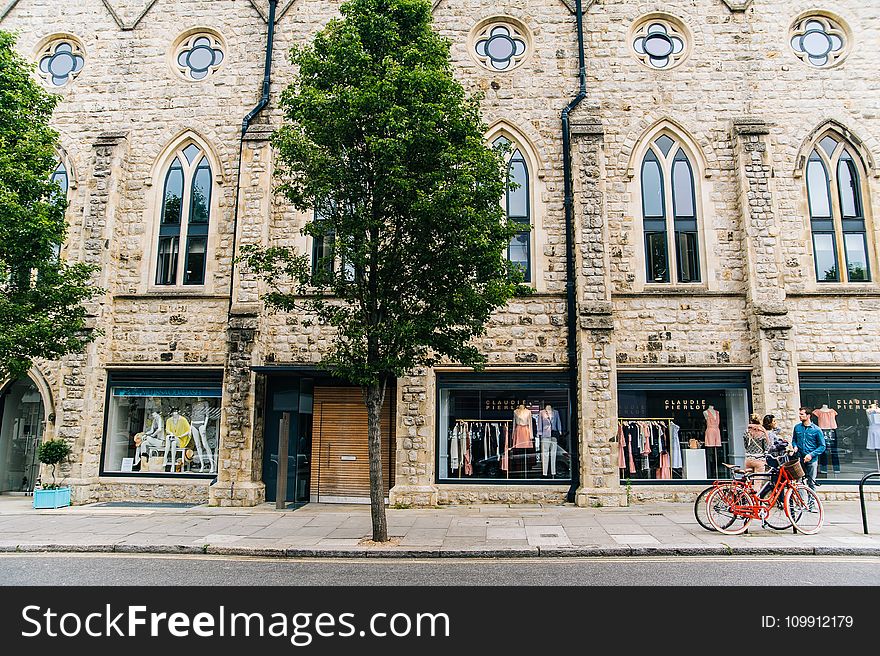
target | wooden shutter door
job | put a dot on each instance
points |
(340, 453)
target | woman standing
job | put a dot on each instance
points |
(757, 442)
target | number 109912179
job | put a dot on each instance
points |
(808, 622)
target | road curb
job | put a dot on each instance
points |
(403, 553)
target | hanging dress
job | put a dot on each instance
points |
(675, 447)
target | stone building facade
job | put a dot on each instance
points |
(726, 254)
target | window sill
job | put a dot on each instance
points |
(675, 290)
(176, 292)
(839, 289)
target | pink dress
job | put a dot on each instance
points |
(713, 432)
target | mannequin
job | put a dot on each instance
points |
(153, 437)
(177, 436)
(712, 436)
(826, 419)
(873, 413)
(522, 428)
(549, 429)
(199, 428)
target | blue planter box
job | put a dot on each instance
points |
(59, 498)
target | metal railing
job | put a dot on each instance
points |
(862, 498)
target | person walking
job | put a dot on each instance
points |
(810, 442)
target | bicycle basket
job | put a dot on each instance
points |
(794, 468)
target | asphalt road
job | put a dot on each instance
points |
(112, 570)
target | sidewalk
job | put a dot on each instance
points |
(325, 530)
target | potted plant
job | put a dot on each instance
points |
(52, 495)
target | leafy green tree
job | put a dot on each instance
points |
(41, 296)
(391, 149)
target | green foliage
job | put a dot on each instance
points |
(388, 142)
(52, 453)
(41, 313)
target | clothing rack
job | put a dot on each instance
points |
(479, 421)
(668, 420)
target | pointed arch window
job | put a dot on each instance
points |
(517, 204)
(323, 248)
(669, 213)
(837, 218)
(185, 219)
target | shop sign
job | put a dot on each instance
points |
(685, 404)
(511, 404)
(855, 404)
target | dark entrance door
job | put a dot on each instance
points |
(289, 402)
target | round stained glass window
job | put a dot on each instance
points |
(819, 41)
(658, 43)
(500, 46)
(199, 56)
(61, 61)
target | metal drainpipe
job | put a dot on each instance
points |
(570, 273)
(245, 124)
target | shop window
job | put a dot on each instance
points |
(847, 409)
(681, 426)
(162, 428)
(185, 219)
(503, 432)
(517, 204)
(837, 218)
(669, 213)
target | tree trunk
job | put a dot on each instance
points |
(374, 398)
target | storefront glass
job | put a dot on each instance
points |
(680, 426)
(161, 428)
(503, 431)
(847, 409)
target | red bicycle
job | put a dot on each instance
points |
(730, 508)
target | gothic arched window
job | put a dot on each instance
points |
(669, 213)
(837, 217)
(62, 179)
(517, 203)
(184, 219)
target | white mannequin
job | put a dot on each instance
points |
(154, 437)
(873, 413)
(199, 430)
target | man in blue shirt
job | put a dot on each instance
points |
(810, 442)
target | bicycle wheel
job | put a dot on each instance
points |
(720, 509)
(804, 509)
(777, 518)
(700, 509)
